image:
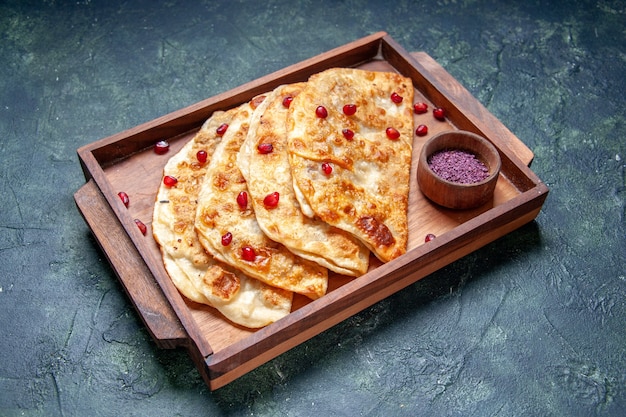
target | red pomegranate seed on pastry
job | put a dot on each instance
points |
(227, 238)
(287, 101)
(169, 181)
(161, 147)
(348, 134)
(202, 156)
(396, 98)
(248, 253)
(349, 109)
(271, 200)
(265, 148)
(420, 108)
(124, 197)
(142, 227)
(321, 112)
(221, 129)
(242, 199)
(392, 133)
(327, 168)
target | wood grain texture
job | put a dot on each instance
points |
(223, 351)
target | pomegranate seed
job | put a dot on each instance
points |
(248, 253)
(265, 148)
(321, 112)
(169, 181)
(327, 168)
(429, 237)
(439, 113)
(161, 147)
(396, 98)
(392, 133)
(221, 129)
(422, 130)
(348, 134)
(420, 108)
(242, 199)
(287, 101)
(202, 156)
(142, 227)
(349, 109)
(271, 200)
(124, 197)
(227, 238)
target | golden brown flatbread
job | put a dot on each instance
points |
(269, 171)
(365, 191)
(230, 232)
(197, 275)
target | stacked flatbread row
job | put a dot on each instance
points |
(285, 196)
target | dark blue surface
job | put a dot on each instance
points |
(533, 324)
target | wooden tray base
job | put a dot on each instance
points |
(222, 351)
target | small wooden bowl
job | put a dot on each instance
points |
(453, 194)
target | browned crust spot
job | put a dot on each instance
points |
(223, 284)
(376, 230)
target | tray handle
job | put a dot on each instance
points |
(455, 90)
(139, 284)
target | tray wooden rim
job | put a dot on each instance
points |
(220, 368)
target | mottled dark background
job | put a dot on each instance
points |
(533, 324)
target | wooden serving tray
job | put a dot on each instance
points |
(223, 351)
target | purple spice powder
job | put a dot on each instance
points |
(459, 166)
